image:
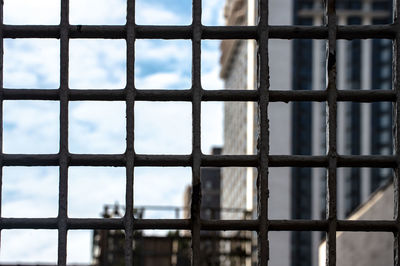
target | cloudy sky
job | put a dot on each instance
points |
(98, 127)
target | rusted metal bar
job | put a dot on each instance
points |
(208, 32)
(63, 157)
(263, 139)
(196, 133)
(130, 130)
(331, 213)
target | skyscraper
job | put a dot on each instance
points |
(299, 127)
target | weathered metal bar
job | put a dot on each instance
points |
(130, 130)
(196, 132)
(367, 96)
(211, 225)
(208, 32)
(63, 154)
(263, 139)
(331, 213)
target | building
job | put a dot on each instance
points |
(299, 128)
(211, 209)
(366, 248)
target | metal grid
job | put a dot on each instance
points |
(196, 32)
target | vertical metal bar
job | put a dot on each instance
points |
(130, 130)
(196, 141)
(63, 171)
(396, 117)
(331, 132)
(263, 145)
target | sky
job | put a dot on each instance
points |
(99, 127)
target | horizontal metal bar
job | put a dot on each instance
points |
(348, 32)
(372, 161)
(30, 159)
(163, 32)
(211, 225)
(207, 95)
(163, 160)
(97, 160)
(367, 225)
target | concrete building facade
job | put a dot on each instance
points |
(366, 248)
(299, 128)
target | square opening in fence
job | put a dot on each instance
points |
(161, 193)
(31, 126)
(211, 65)
(228, 13)
(362, 248)
(238, 193)
(163, 127)
(163, 64)
(18, 12)
(97, 127)
(91, 189)
(240, 128)
(30, 192)
(97, 12)
(234, 63)
(162, 247)
(97, 64)
(287, 247)
(365, 193)
(364, 64)
(303, 67)
(287, 133)
(31, 63)
(297, 193)
(28, 246)
(228, 193)
(364, 128)
(211, 127)
(163, 12)
(83, 246)
(235, 247)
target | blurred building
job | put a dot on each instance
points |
(169, 250)
(366, 248)
(299, 128)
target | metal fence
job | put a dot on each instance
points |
(197, 32)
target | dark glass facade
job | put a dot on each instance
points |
(353, 125)
(381, 120)
(301, 145)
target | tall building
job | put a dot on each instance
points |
(299, 128)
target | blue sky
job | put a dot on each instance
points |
(99, 127)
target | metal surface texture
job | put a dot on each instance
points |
(196, 32)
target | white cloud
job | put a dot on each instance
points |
(34, 190)
(97, 12)
(86, 190)
(163, 127)
(167, 186)
(211, 126)
(31, 63)
(213, 12)
(97, 64)
(31, 126)
(97, 127)
(171, 80)
(26, 12)
(28, 246)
